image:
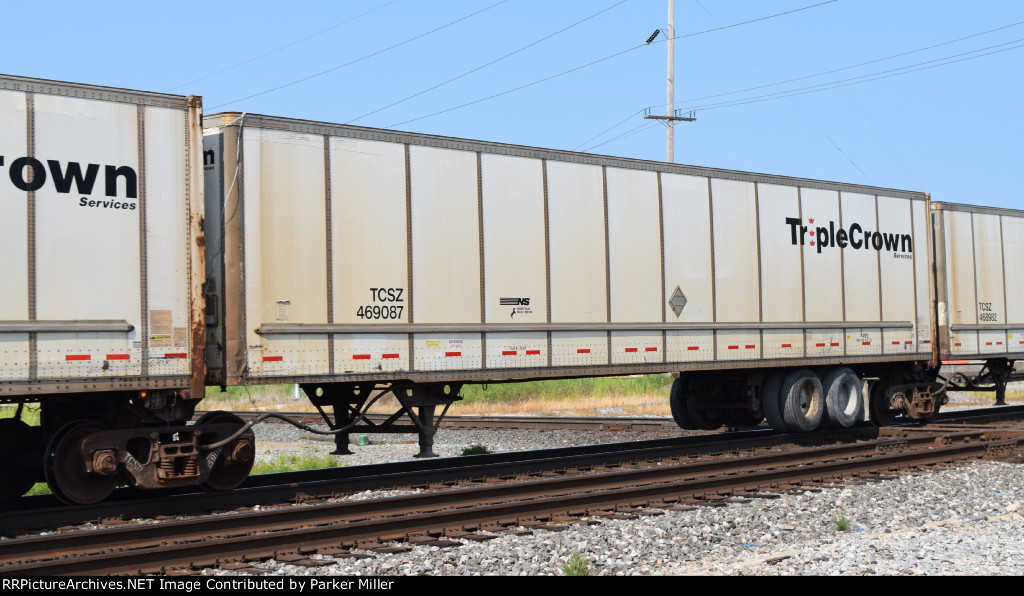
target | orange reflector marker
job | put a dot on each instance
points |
(537, 352)
(273, 358)
(178, 355)
(360, 356)
(791, 345)
(631, 349)
(650, 349)
(452, 354)
(78, 357)
(749, 346)
(509, 352)
(118, 357)
(583, 350)
(693, 348)
(389, 356)
(734, 347)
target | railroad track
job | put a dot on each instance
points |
(330, 527)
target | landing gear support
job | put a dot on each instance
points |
(425, 398)
(993, 376)
(351, 401)
(347, 400)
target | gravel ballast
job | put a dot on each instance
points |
(960, 521)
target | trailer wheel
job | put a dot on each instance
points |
(770, 400)
(65, 469)
(702, 420)
(843, 404)
(879, 411)
(677, 402)
(802, 400)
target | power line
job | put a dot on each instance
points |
(845, 83)
(495, 61)
(350, 63)
(876, 60)
(831, 85)
(884, 74)
(795, 104)
(599, 60)
(628, 133)
(284, 47)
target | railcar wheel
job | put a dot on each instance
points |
(236, 458)
(802, 400)
(843, 404)
(677, 402)
(15, 437)
(64, 467)
(880, 414)
(771, 400)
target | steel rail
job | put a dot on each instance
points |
(505, 504)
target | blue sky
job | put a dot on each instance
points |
(954, 130)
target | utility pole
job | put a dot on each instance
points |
(670, 117)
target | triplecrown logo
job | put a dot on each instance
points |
(855, 236)
(29, 174)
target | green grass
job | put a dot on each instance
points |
(842, 522)
(577, 565)
(288, 462)
(565, 389)
(475, 450)
(40, 488)
(246, 396)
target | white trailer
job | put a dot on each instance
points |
(979, 253)
(101, 308)
(361, 257)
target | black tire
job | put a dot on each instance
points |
(802, 401)
(702, 420)
(844, 406)
(770, 401)
(677, 402)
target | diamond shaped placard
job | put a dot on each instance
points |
(677, 301)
